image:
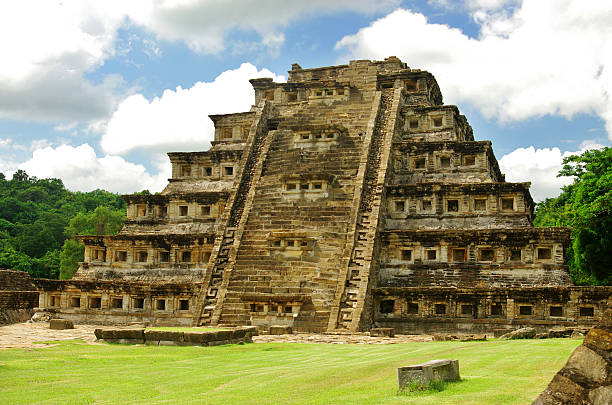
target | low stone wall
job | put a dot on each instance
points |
(176, 338)
(118, 302)
(18, 297)
(488, 310)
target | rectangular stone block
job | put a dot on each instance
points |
(162, 335)
(60, 324)
(434, 370)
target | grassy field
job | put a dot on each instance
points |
(493, 372)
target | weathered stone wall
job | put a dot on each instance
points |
(18, 297)
(477, 310)
(11, 280)
(449, 162)
(118, 302)
(474, 258)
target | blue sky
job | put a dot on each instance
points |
(95, 92)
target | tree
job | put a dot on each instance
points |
(34, 215)
(586, 206)
(102, 221)
(71, 254)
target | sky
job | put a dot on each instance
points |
(96, 92)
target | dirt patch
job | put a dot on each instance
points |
(25, 336)
(360, 339)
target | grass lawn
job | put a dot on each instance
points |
(493, 372)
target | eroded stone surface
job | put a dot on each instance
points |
(523, 333)
(601, 395)
(434, 370)
(587, 376)
(60, 324)
(588, 364)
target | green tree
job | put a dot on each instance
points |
(34, 214)
(102, 221)
(71, 254)
(586, 206)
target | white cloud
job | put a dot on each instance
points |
(68, 126)
(473, 4)
(540, 167)
(49, 47)
(203, 25)
(547, 57)
(178, 120)
(80, 169)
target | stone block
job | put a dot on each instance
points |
(280, 330)
(239, 333)
(560, 332)
(523, 333)
(252, 330)
(587, 363)
(60, 324)
(561, 390)
(199, 338)
(162, 335)
(223, 335)
(136, 334)
(384, 332)
(601, 395)
(434, 370)
(599, 338)
(106, 334)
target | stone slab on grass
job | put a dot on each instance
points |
(176, 338)
(425, 373)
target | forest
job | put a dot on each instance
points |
(586, 206)
(40, 217)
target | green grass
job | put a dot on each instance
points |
(186, 329)
(492, 372)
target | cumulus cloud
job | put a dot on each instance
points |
(178, 120)
(47, 48)
(203, 25)
(540, 167)
(81, 169)
(50, 47)
(547, 57)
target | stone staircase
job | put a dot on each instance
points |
(352, 289)
(228, 233)
(259, 269)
